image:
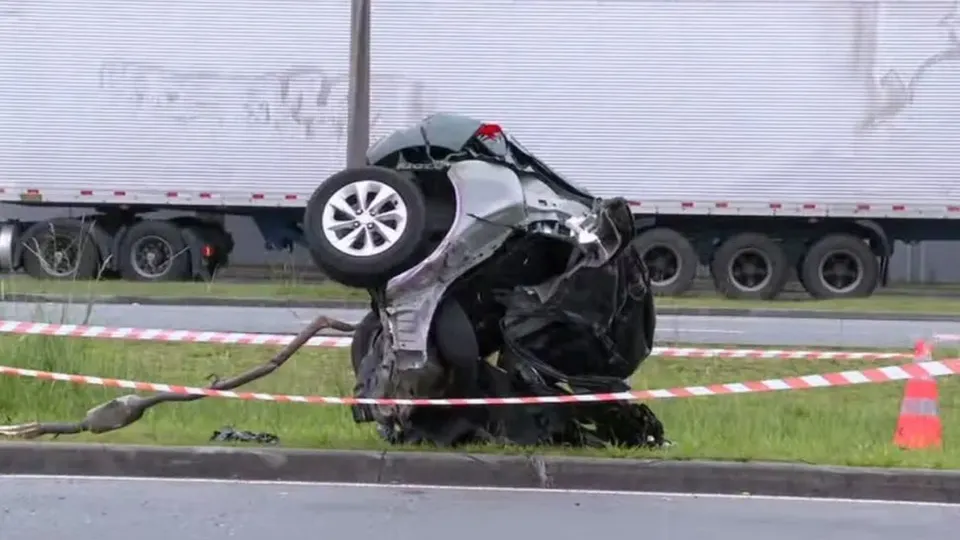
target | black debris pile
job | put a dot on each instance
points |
(228, 434)
(585, 331)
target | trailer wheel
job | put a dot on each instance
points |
(840, 266)
(365, 225)
(59, 249)
(670, 260)
(749, 266)
(154, 250)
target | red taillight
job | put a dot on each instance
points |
(207, 251)
(489, 131)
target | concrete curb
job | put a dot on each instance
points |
(447, 469)
(348, 304)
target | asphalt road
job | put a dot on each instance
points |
(107, 509)
(745, 331)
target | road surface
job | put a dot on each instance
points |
(671, 329)
(107, 509)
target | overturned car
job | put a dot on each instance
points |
(490, 275)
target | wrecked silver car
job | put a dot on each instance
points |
(490, 276)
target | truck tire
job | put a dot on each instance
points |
(840, 266)
(154, 250)
(352, 246)
(670, 259)
(59, 249)
(750, 266)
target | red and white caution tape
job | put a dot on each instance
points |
(823, 380)
(684, 352)
(238, 338)
(154, 334)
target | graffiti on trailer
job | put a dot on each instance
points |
(895, 91)
(302, 101)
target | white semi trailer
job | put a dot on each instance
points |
(761, 138)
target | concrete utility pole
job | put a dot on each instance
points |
(358, 117)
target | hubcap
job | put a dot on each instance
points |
(840, 272)
(152, 257)
(663, 265)
(364, 218)
(750, 270)
(57, 253)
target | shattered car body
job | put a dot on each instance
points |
(530, 288)
(490, 276)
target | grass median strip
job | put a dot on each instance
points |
(893, 303)
(851, 426)
(292, 289)
(274, 289)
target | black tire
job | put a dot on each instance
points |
(373, 270)
(451, 332)
(363, 338)
(73, 233)
(649, 319)
(167, 240)
(456, 340)
(762, 252)
(844, 249)
(667, 253)
(799, 272)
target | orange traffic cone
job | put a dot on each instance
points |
(919, 425)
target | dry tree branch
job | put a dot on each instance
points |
(125, 410)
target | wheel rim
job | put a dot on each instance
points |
(750, 270)
(152, 257)
(57, 253)
(841, 272)
(663, 264)
(364, 218)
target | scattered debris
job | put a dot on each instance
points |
(228, 434)
(125, 410)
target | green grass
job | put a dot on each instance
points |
(274, 289)
(847, 426)
(899, 303)
(293, 289)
